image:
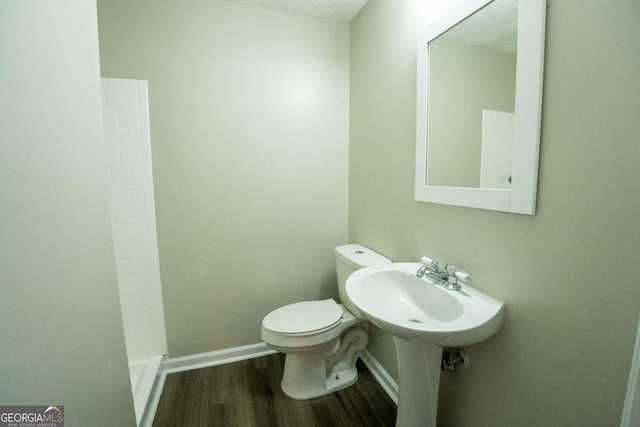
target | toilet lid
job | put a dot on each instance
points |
(303, 317)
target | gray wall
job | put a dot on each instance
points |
(61, 331)
(249, 134)
(568, 274)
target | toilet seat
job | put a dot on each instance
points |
(302, 318)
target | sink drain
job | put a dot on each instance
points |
(415, 320)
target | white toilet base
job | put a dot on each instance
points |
(319, 364)
(305, 377)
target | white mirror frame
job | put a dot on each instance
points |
(521, 198)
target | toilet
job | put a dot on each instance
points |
(322, 339)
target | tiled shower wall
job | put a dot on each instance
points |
(128, 155)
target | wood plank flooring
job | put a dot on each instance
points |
(248, 393)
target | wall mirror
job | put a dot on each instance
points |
(479, 104)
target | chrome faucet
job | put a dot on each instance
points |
(432, 269)
(447, 277)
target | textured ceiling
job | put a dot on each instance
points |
(339, 10)
(495, 27)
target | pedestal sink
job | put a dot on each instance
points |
(423, 317)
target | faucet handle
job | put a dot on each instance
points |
(430, 262)
(452, 270)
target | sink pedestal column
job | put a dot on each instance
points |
(419, 379)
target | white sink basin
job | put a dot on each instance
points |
(423, 317)
(393, 298)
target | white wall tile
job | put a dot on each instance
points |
(117, 137)
(127, 214)
(116, 93)
(151, 224)
(147, 175)
(134, 268)
(136, 286)
(137, 231)
(132, 94)
(145, 147)
(132, 250)
(119, 232)
(153, 252)
(155, 276)
(134, 195)
(121, 175)
(123, 137)
(110, 116)
(128, 117)
(116, 195)
(131, 156)
(112, 156)
(149, 202)
(137, 176)
(128, 157)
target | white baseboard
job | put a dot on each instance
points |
(229, 355)
(220, 357)
(381, 375)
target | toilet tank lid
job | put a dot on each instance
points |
(358, 256)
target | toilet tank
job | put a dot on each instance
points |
(350, 258)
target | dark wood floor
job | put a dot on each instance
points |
(247, 393)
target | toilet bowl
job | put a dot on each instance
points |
(322, 339)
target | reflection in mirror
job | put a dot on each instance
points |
(471, 99)
(479, 97)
